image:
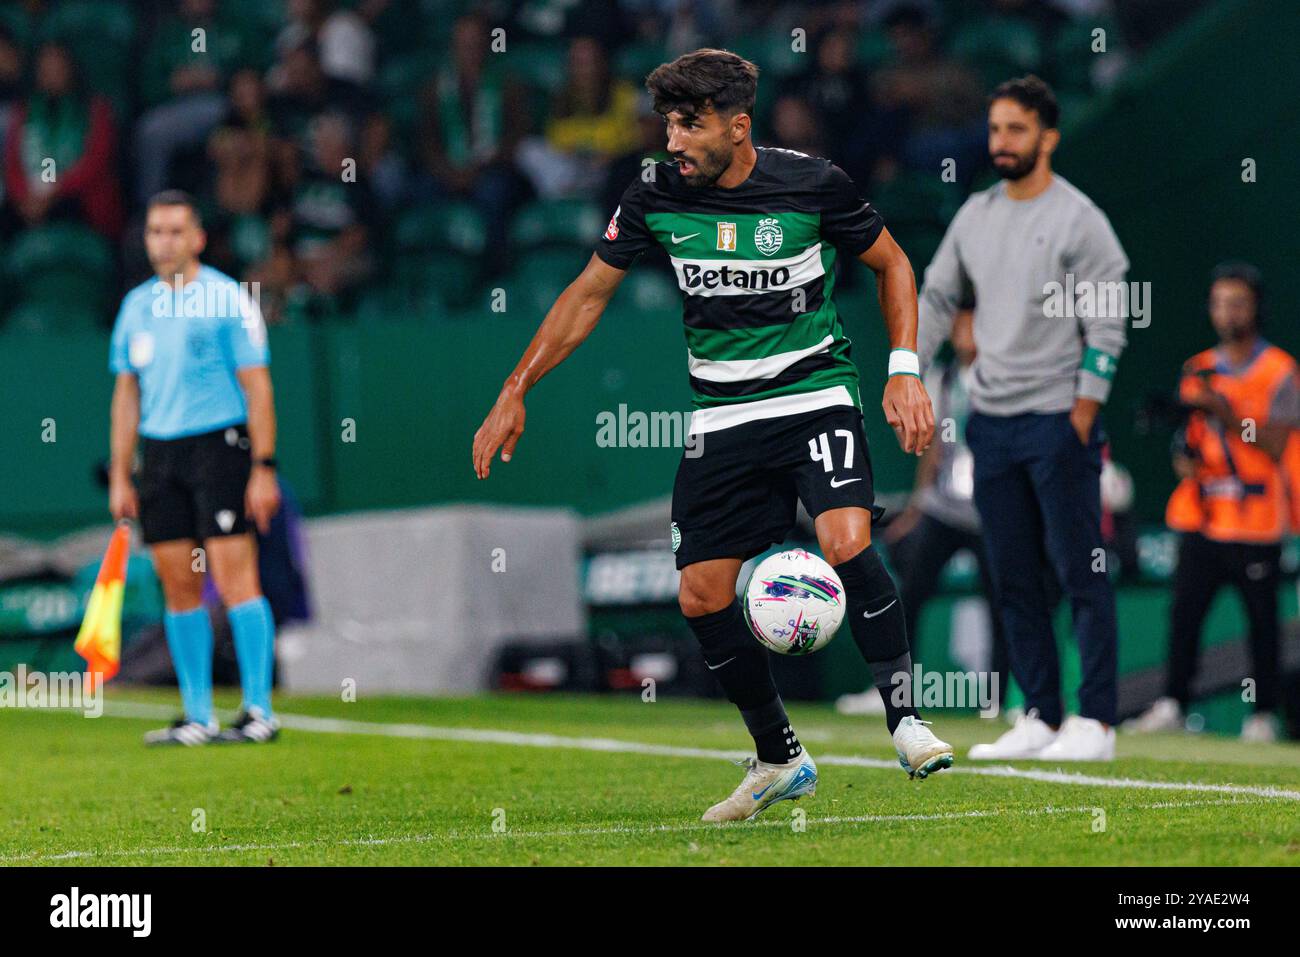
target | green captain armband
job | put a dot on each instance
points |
(1100, 364)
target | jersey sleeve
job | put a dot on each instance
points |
(847, 220)
(627, 236)
(119, 355)
(247, 334)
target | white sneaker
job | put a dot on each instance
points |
(919, 751)
(1164, 715)
(868, 702)
(764, 785)
(1081, 739)
(1260, 728)
(1026, 738)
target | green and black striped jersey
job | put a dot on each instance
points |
(756, 267)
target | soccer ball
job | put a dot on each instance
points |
(794, 602)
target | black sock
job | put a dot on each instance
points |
(741, 666)
(774, 739)
(879, 630)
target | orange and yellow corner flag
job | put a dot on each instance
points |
(100, 639)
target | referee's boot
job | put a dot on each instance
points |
(183, 732)
(251, 727)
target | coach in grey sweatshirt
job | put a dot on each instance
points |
(1044, 271)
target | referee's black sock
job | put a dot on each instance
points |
(879, 630)
(741, 666)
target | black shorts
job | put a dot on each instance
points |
(193, 487)
(740, 494)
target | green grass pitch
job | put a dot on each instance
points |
(551, 780)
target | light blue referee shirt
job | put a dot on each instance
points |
(184, 347)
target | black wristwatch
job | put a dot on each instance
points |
(268, 462)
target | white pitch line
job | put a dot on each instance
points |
(616, 829)
(429, 732)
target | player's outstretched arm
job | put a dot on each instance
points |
(125, 422)
(569, 321)
(906, 404)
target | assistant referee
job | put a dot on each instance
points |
(190, 356)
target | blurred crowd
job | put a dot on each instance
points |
(340, 147)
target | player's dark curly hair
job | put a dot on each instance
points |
(703, 80)
(1033, 94)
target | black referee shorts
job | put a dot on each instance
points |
(193, 487)
(740, 495)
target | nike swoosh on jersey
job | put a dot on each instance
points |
(837, 484)
(682, 239)
(869, 614)
(727, 662)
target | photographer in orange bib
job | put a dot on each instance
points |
(1239, 494)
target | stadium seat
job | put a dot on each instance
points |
(557, 222)
(454, 226)
(46, 317)
(60, 263)
(424, 280)
(539, 278)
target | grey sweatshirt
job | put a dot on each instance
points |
(1001, 255)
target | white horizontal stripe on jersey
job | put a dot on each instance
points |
(728, 416)
(748, 277)
(742, 370)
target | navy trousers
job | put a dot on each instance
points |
(1038, 491)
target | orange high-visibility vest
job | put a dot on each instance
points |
(1239, 493)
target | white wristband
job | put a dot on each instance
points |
(904, 362)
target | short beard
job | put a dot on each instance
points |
(1022, 168)
(709, 171)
